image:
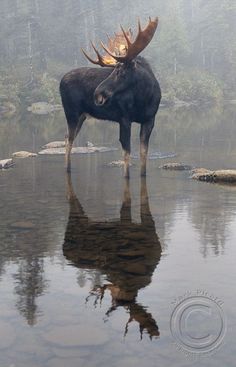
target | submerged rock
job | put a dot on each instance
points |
(6, 163)
(77, 150)
(176, 166)
(7, 109)
(24, 154)
(224, 175)
(118, 163)
(43, 108)
(89, 144)
(54, 144)
(156, 155)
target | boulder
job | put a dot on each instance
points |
(224, 175)
(176, 166)
(156, 155)
(54, 144)
(77, 150)
(7, 109)
(24, 154)
(43, 108)
(6, 163)
(118, 163)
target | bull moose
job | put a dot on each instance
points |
(124, 90)
(124, 251)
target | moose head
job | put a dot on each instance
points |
(121, 56)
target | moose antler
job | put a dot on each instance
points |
(134, 48)
(102, 60)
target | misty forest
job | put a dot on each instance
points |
(193, 52)
(95, 269)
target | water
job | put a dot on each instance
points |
(93, 270)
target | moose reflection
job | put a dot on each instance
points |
(126, 253)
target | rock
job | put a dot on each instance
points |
(224, 176)
(201, 174)
(156, 155)
(7, 109)
(8, 335)
(76, 335)
(24, 154)
(6, 163)
(43, 108)
(117, 164)
(54, 144)
(179, 103)
(89, 144)
(176, 167)
(77, 150)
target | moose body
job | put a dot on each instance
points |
(125, 92)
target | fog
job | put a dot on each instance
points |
(54, 308)
(193, 52)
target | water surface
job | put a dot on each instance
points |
(91, 266)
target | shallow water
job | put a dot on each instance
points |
(98, 272)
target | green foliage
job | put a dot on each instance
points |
(49, 89)
(173, 45)
(9, 88)
(192, 87)
(46, 37)
(44, 88)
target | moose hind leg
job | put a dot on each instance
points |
(74, 126)
(125, 133)
(145, 132)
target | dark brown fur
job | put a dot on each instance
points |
(126, 93)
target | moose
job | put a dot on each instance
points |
(124, 251)
(124, 90)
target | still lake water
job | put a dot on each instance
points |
(96, 272)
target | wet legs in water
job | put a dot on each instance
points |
(74, 127)
(145, 133)
(125, 133)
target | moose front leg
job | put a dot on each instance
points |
(125, 133)
(145, 132)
